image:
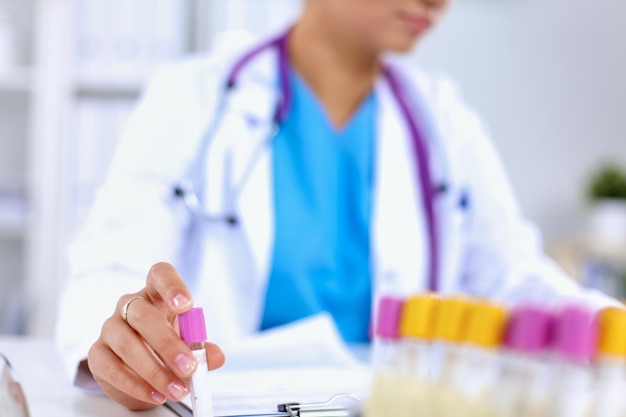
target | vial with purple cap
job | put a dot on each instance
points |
(524, 386)
(386, 358)
(193, 332)
(575, 335)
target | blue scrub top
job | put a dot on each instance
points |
(323, 180)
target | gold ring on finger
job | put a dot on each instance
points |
(125, 308)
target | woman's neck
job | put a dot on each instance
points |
(337, 67)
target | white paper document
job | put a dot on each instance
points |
(304, 362)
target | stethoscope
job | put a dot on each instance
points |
(187, 190)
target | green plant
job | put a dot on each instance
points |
(609, 181)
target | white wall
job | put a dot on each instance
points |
(549, 77)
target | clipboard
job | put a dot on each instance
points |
(329, 408)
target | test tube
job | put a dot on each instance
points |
(417, 330)
(575, 335)
(193, 333)
(387, 335)
(386, 363)
(610, 384)
(524, 385)
(450, 323)
(476, 372)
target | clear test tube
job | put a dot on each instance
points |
(575, 336)
(385, 357)
(475, 375)
(524, 386)
(450, 323)
(193, 332)
(383, 398)
(610, 383)
(417, 328)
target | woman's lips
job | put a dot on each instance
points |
(417, 23)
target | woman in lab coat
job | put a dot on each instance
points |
(322, 214)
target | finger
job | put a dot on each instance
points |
(148, 362)
(215, 358)
(165, 284)
(154, 329)
(112, 374)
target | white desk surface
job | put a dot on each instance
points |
(49, 391)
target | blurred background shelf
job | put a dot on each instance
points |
(594, 262)
(105, 84)
(16, 79)
(13, 216)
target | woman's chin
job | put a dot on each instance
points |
(402, 45)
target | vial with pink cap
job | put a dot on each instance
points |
(524, 386)
(574, 345)
(193, 332)
(386, 359)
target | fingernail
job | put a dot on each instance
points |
(177, 391)
(185, 364)
(157, 397)
(181, 301)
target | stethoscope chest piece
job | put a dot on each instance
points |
(186, 192)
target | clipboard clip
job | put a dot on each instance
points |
(330, 408)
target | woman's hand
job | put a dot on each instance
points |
(141, 361)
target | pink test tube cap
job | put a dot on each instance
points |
(389, 313)
(575, 334)
(192, 326)
(529, 329)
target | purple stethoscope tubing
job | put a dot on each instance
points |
(420, 149)
(280, 43)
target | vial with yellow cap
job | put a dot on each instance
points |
(610, 381)
(450, 322)
(417, 322)
(417, 330)
(449, 326)
(475, 375)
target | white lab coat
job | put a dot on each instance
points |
(487, 249)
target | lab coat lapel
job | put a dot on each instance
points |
(254, 105)
(238, 180)
(399, 245)
(432, 116)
